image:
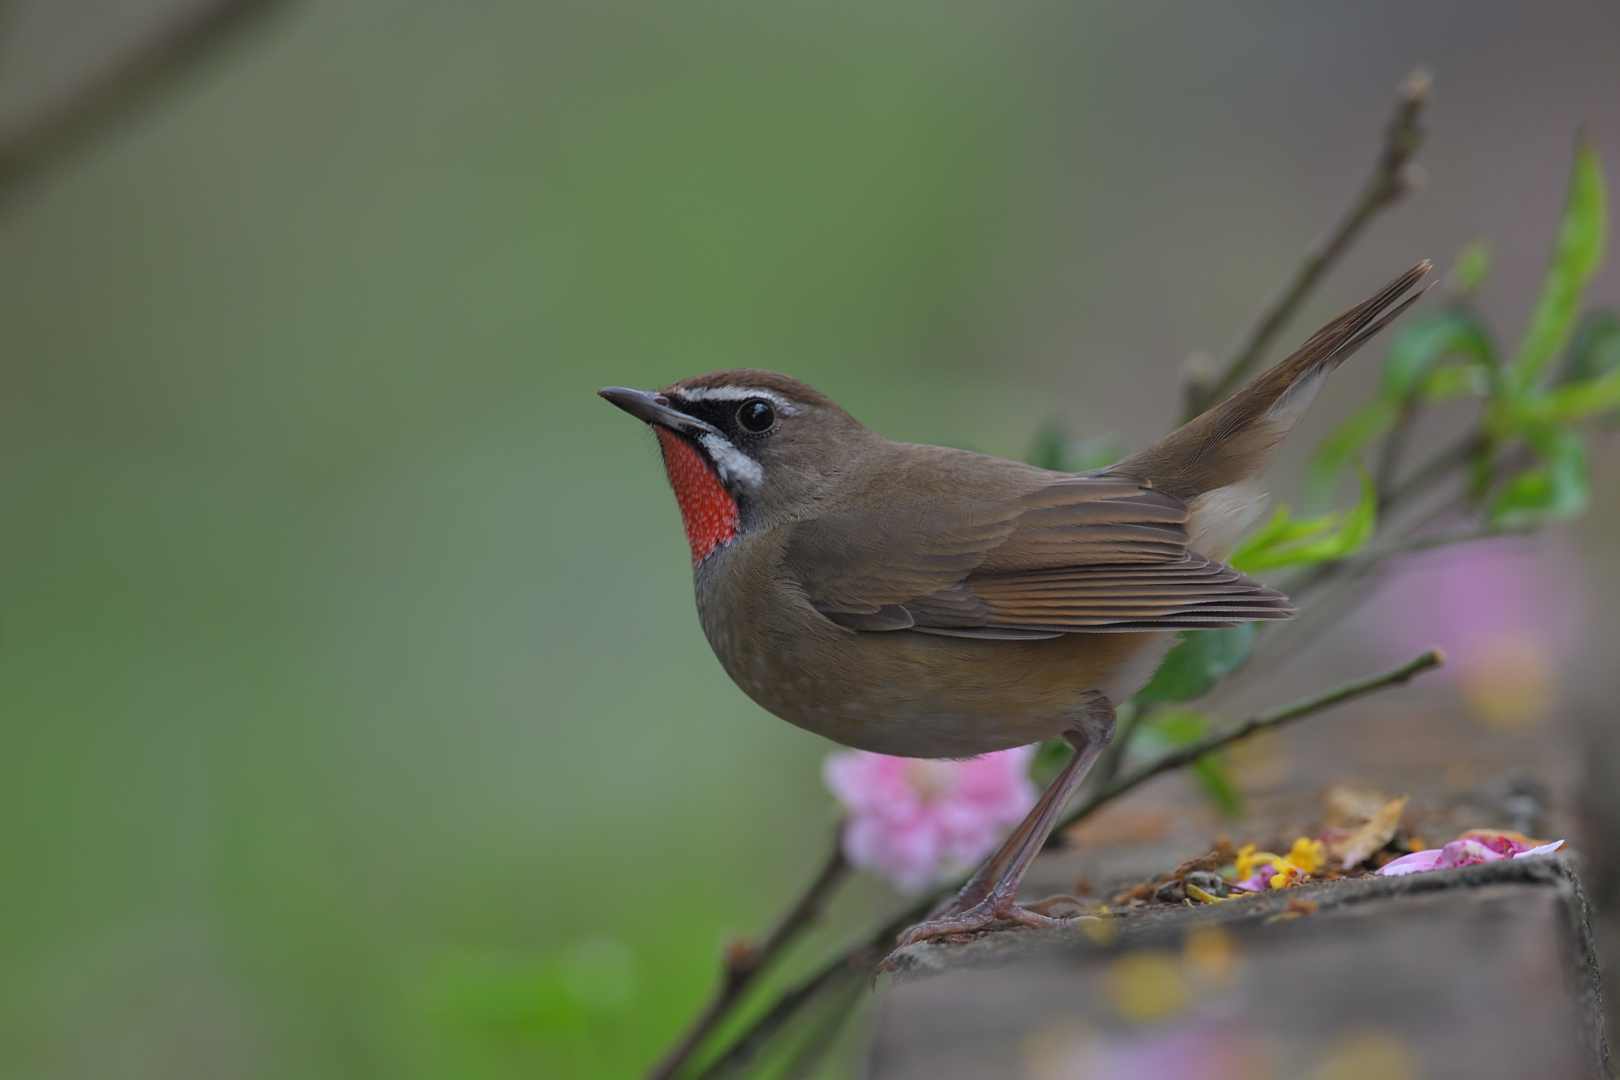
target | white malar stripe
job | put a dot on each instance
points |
(736, 393)
(734, 466)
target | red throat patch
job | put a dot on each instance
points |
(707, 509)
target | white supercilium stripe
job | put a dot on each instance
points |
(735, 393)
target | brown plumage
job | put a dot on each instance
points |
(1230, 442)
(931, 602)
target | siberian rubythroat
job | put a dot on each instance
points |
(931, 602)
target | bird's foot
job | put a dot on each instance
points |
(993, 911)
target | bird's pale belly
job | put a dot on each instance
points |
(921, 695)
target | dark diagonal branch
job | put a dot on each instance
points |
(744, 962)
(1186, 755)
(1390, 180)
(34, 142)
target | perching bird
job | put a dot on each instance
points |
(931, 602)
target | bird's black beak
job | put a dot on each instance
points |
(655, 409)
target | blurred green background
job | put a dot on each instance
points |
(355, 717)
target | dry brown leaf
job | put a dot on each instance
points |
(1348, 806)
(1371, 837)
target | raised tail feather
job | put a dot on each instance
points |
(1230, 442)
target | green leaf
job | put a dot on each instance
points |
(1202, 659)
(1170, 729)
(1344, 445)
(1413, 370)
(1562, 405)
(1285, 541)
(1421, 346)
(1050, 756)
(1576, 256)
(1282, 531)
(1472, 267)
(1596, 349)
(1450, 381)
(1558, 487)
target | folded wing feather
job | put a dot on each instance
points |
(1071, 554)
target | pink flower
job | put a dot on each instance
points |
(913, 820)
(1470, 849)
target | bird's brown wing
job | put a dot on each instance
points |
(1073, 554)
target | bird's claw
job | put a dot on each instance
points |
(988, 914)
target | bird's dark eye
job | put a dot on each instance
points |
(756, 416)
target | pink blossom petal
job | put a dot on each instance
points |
(1467, 852)
(910, 820)
(863, 842)
(916, 842)
(853, 779)
(964, 848)
(1416, 863)
(1499, 843)
(1259, 881)
(989, 777)
(914, 857)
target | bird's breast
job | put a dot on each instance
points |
(903, 692)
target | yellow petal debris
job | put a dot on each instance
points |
(1307, 855)
(1287, 876)
(1249, 860)
(1305, 858)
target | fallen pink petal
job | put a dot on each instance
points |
(912, 821)
(1416, 863)
(1508, 843)
(1259, 881)
(1468, 850)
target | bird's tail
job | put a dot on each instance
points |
(1230, 442)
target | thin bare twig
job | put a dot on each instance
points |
(815, 1044)
(1390, 180)
(1419, 544)
(1190, 753)
(865, 954)
(36, 141)
(744, 963)
(1437, 469)
(851, 963)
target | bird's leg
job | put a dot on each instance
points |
(991, 895)
(1039, 820)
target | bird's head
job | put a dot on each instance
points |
(744, 449)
